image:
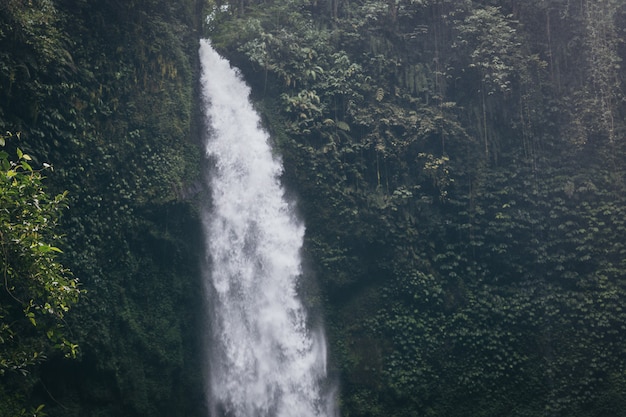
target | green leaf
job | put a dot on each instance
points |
(31, 318)
(343, 126)
(43, 248)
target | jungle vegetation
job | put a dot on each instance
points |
(459, 166)
(103, 91)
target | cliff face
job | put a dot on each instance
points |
(459, 166)
(104, 91)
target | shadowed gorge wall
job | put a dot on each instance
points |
(104, 91)
(459, 166)
(460, 169)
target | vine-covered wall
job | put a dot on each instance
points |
(460, 170)
(104, 91)
(458, 164)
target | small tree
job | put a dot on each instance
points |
(35, 290)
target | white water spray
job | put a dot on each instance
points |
(264, 361)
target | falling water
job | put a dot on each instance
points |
(264, 361)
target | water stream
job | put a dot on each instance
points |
(264, 360)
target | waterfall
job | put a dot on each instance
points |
(264, 361)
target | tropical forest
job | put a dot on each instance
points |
(458, 168)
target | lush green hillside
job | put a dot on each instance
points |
(104, 91)
(460, 166)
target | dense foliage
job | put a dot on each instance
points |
(37, 291)
(460, 168)
(104, 91)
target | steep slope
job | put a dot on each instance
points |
(104, 92)
(460, 169)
